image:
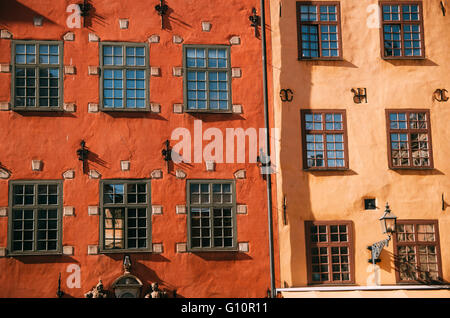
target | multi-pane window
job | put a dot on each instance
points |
(211, 221)
(126, 215)
(409, 139)
(37, 75)
(329, 252)
(417, 251)
(324, 139)
(207, 73)
(402, 30)
(318, 30)
(124, 76)
(35, 222)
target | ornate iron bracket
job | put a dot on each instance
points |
(59, 292)
(376, 249)
(254, 18)
(85, 7)
(83, 154)
(359, 95)
(286, 95)
(441, 95)
(161, 8)
(167, 154)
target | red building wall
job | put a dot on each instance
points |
(54, 138)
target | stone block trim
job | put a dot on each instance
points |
(181, 209)
(92, 249)
(69, 107)
(123, 24)
(178, 108)
(243, 247)
(240, 174)
(156, 174)
(125, 165)
(93, 70)
(93, 37)
(69, 174)
(181, 247)
(241, 209)
(36, 165)
(94, 174)
(38, 20)
(68, 250)
(210, 165)
(69, 36)
(235, 40)
(177, 71)
(3, 211)
(206, 26)
(157, 248)
(5, 68)
(236, 72)
(2, 251)
(92, 210)
(155, 108)
(157, 210)
(154, 38)
(237, 109)
(155, 71)
(4, 174)
(180, 174)
(5, 34)
(68, 211)
(69, 69)
(177, 39)
(92, 108)
(4, 105)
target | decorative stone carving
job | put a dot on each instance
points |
(181, 209)
(69, 107)
(155, 108)
(236, 72)
(36, 165)
(68, 211)
(4, 105)
(180, 174)
(93, 174)
(177, 71)
(127, 286)
(181, 247)
(69, 174)
(155, 71)
(156, 174)
(243, 247)
(240, 174)
(210, 165)
(125, 165)
(237, 109)
(155, 292)
(206, 26)
(97, 291)
(69, 69)
(123, 23)
(5, 68)
(93, 70)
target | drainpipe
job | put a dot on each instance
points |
(267, 145)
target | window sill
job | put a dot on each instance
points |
(129, 110)
(126, 251)
(326, 169)
(302, 59)
(208, 111)
(38, 109)
(214, 250)
(401, 58)
(412, 168)
(20, 254)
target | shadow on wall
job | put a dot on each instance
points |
(22, 13)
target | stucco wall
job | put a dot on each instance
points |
(327, 85)
(112, 137)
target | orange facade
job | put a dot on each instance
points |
(53, 138)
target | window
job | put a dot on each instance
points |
(37, 80)
(409, 139)
(207, 73)
(402, 35)
(35, 223)
(319, 30)
(124, 76)
(126, 215)
(417, 251)
(324, 140)
(211, 221)
(329, 252)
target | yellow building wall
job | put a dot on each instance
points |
(328, 195)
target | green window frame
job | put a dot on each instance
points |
(125, 215)
(37, 80)
(207, 78)
(35, 217)
(211, 222)
(124, 76)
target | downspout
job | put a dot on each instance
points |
(267, 145)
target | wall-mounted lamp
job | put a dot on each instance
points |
(85, 7)
(59, 292)
(388, 226)
(254, 19)
(126, 263)
(82, 154)
(161, 8)
(167, 154)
